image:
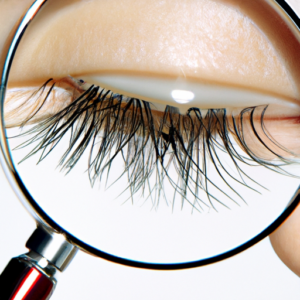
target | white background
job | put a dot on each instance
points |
(254, 274)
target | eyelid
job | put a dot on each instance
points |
(21, 102)
(98, 119)
(110, 43)
(205, 95)
(20, 106)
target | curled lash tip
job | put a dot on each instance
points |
(150, 143)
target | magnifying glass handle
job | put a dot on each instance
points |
(23, 280)
(32, 276)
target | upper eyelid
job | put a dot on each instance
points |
(65, 90)
(284, 83)
(185, 93)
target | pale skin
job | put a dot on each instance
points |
(146, 50)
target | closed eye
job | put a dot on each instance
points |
(151, 142)
(152, 139)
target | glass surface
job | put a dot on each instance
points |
(177, 183)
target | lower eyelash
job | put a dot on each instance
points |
(150, 142)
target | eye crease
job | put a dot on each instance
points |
(157, 137)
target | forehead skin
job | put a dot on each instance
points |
(205, 40)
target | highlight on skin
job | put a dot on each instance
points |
(231, 49)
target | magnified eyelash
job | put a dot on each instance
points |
(150, 142)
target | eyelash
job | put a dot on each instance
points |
(149, 142)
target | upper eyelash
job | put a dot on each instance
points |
(149, 141)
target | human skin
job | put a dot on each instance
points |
(239, 72)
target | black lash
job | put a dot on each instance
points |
(150, 143)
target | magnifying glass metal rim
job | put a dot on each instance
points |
(41, 216)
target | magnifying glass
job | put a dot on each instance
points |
(159, 174)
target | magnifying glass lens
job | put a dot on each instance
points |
(154, 138)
